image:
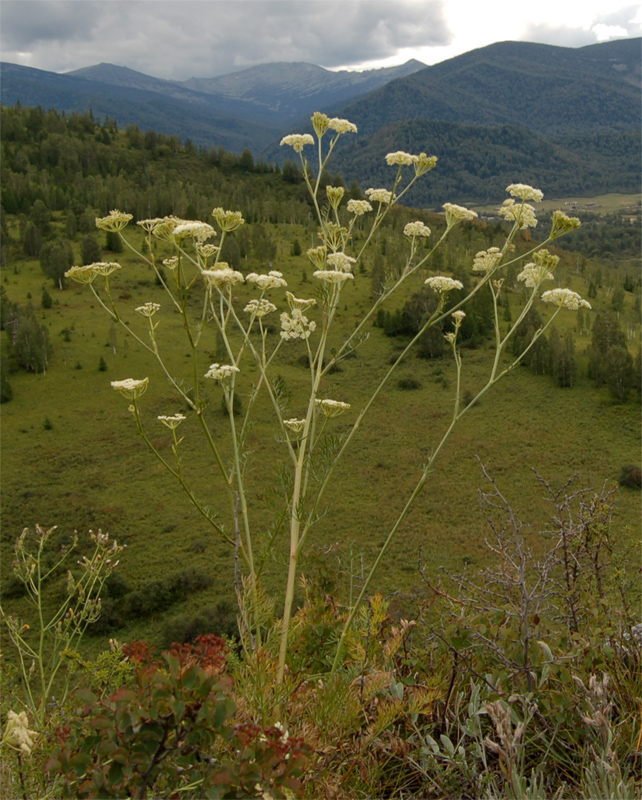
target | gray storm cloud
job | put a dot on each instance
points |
(181, 39)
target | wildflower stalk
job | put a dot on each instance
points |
(334, 268)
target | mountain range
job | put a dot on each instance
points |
(559, 113)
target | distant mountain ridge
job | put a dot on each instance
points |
(556, 116)
(274, 93)
(554, 90)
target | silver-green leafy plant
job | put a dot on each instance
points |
(195, 269)
(44, 642)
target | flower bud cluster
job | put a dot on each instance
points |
(563, 224)
(334, 236)
(318, 255)
(335, 195)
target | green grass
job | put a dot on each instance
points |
(90, 470)
(600, 204)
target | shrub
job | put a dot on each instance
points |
(630, 476)
(408, 384)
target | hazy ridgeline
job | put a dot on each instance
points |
(70, 456)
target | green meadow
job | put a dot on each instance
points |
(613, 202)
(71, 456)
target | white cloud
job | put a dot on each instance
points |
(183, 38)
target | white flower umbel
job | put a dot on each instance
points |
(400, 158)
(333, 276)
(106, 268)
(358, 207)
(487, 260)
(172, 421)
(273, 280)
(200, 231)
(148, 309)
(170, 263)
(418, 228)
(228, 220)
(341, 261)
(458, 316)
(341, 125)
(296, 325)
(223, 276)
(17, 733)
(295, 425)
(89, 272)
(130, 388)
(222, 372)
(259, 308)
(442, 284)
(533, 274)
(115, 221)
(565, 298)
(297, 141)
(331, 408)
(161, 227)
(521, 213)
(299, 303)
(379, 196)
(524, 192)
(455, 214)
(86, 274)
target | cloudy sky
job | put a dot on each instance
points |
(178, 39)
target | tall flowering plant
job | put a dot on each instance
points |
(195, 269)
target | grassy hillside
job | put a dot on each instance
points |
(71, 456)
